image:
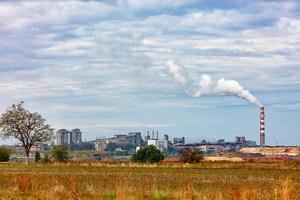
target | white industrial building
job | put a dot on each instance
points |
(160, 144)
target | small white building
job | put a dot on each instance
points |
(137, 148)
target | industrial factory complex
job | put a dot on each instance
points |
(135, 141)
(124, 145)
(129, 143)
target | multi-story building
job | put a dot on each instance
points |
(75, 136)
(62, 137)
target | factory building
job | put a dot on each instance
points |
(219, 146)
(240, 139)
(137, 138)
(100, 144)
(179, 141)
(160, 144)
(205, 148)
(133, 138)
(63, 136)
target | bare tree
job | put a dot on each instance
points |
(29, 128)
(190, 155)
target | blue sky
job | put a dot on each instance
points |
(100, 65)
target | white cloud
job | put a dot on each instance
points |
(113, 53)
(36, 88)
(72, 47)
(290, 25)
(154, 4)
(24, 14)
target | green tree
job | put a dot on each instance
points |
(29, 128)
(148, 154)
(189, 155)
(60, 153)
(37, 156)
(4, 154)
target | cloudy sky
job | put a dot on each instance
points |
(101, 65)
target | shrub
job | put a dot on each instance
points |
(97, 156)
(37, 156)
(60, 153)
(189, 155)
(4, 154)
(148, 154)
(46, 159)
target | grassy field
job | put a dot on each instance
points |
(100, 180)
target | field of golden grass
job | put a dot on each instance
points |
(99, 180)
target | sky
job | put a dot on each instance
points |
(101, 65)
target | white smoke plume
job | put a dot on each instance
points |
(208, 87)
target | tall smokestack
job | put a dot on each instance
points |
(262, 126)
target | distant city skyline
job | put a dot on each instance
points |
(100, 66)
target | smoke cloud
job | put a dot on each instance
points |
(207, 87)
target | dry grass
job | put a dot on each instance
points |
(98, 180)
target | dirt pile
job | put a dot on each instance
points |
(272, 150)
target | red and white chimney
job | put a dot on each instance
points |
(262, 126)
